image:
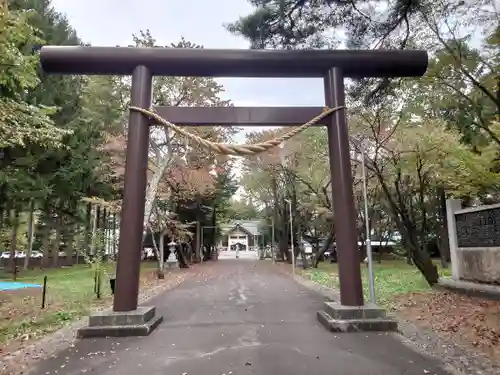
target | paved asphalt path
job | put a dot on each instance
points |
(246, 318)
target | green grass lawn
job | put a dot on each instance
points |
(391, 277)
(70, 295)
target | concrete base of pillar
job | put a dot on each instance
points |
(140, 322)
(339, 318)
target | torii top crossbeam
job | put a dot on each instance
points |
(194, 62)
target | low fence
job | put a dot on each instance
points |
(474, 237)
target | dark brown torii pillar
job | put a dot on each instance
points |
(143, 63)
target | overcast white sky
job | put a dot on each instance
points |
(112, 22)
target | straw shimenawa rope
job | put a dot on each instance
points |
(240, 150)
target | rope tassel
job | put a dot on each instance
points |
(239, 150)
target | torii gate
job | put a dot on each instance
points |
(144, 63)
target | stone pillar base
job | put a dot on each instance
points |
(339, 318)
(140, 322)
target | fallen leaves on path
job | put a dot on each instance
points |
(475, 321)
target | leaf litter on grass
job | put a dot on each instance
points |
(18, 355)
(70, 295)
(473, 321)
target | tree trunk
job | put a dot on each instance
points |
(323, 250)
(198, 244)
(162, 251)
(182, 251)
(302, 253)
(78, 241)
(31, 229)
(285, 234)
(104, 232)
(2, 215)
(214, 226)
(421, 258)
(423, 261)
(409, 255)
(189, 252)
(70, 241)
(13, 242)
(157, 251)
(45, 234)
(153, 186)
(283, 247)
(114, 236)
(316, 244)
(443, 239)
(381, 251)
(57, 243)
(88, 229)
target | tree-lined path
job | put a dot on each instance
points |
(246, 318)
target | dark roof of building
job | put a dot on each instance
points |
(251, 226)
